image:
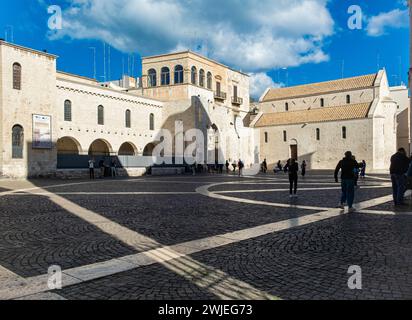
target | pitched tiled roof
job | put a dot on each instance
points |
(347, 112)
(320, 88)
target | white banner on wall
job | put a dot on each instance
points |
(42, 136)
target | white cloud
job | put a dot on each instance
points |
(259, 82)
(251, 35)
(378, 25)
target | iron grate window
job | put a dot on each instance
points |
(17, 142)
(17, 76)
(100, 115)
(67, 110)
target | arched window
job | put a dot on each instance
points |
(202, 78)
(100, 115)
(285, 136)
(165, 76)
(209, 81)
(152, 77)
(348, 99)
(266, 137)
(128, 119)
(67, 110)
(318, 134)
(17, 142)
(194, 76)
(16, 76)
(322, 102)
(152, 122)
(344, 133)
(286, 106)
(179, 74)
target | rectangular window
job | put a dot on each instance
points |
(266, 137)
(17, 76)
(235, 92)
(285, 136)
(218, 88)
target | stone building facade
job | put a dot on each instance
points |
(319, 122)
(90, 118)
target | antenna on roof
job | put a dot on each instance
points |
(94, 61)
(6, 33)
(104, 61)
(128, 64)
(378, 61)
(110, 66)
(133, 65)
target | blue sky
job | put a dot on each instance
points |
(279, 42)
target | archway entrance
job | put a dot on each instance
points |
(148, 150)
(127, 149)
(294, 149)
(68, 146)
(100, 148)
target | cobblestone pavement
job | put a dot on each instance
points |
(205, 237)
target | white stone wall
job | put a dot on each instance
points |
(85, 100)
(37, 96)
(322, 154)
(401, 96)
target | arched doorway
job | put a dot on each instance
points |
(68, 146)
(294, 153)
(127, 149)
(100, 148)
(148, 150)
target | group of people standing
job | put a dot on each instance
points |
(280, 168)
(105, 169)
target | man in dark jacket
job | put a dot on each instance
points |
(348, 166)
(399, 167)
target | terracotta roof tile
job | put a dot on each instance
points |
(320, 88)
(347, 112)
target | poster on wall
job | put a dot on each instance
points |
(42, 137)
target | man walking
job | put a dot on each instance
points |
(241, 166)
(265, 166)
(293, 169)
(399, 167)
(304, 165)
(113, 172)
(363, 170)
(91, 168)
(348, 167)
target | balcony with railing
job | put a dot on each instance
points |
(237, 101)
(220, 95)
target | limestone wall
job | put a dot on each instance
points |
(322, 154)
(84, 128)
(37, 96)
